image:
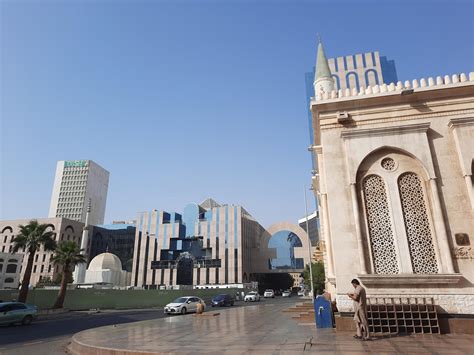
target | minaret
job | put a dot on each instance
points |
(323, 81)
(80, 270)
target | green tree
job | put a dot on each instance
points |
(67, 255)
(31, 237)
(318, 277)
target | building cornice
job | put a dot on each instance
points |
(462, 121)
(409, 279)
(383, 131)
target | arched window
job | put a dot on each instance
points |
(371, 77)
(11, 268)
(398, 228)
(380, 226)
(417, 225)
(352, 80)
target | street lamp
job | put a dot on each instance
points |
(309, 246)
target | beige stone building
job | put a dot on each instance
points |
(395, 187)
(65, 229)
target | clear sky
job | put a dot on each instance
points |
(184, 100)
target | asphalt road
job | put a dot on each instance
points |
(52, 335)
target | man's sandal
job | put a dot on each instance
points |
(357, 337)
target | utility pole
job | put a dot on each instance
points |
(309, 246)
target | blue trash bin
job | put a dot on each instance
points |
(323, 312)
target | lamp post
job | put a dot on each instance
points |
(309, 246)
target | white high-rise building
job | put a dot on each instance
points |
(76, 182)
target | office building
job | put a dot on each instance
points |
(313, 225)
(212, 244)
(63, 228)
(75, 184)
(10, 268)
(115, 238)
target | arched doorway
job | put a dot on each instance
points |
(185, 263)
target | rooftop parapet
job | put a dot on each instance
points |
(396, 88)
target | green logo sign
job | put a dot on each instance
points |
(75, 163)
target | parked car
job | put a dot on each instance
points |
(184, 305)
(17, 312)
(286, 293)
(300, 293)
(269, 294)
(252, 297)
(222, 300)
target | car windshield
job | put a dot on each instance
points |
(252, 293)
(269, 291)
(180, 300)
(219, 297)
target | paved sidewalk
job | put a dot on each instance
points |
(263, 329)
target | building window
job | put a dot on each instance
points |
(8, 280)
(11, 269)
(34, 268)
(420, 240)
(380, 226)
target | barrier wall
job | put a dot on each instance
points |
(83, 299)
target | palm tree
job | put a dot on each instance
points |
(67, 255)
(31, 237)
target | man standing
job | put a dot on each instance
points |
(360, 309)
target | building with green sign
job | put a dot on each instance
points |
(75, 184)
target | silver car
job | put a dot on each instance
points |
(183, 305)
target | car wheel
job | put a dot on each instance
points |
(27, 320)
(183, 310)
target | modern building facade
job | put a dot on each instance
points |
(313, 226)
(75, 184)
(118, 239)
(10, 267)
(395, 187)
(63, 228)
(212, 244)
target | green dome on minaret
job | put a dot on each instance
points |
(322, 66)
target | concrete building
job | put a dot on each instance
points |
(63, 228)
(10, 268)
(75, 183)
(211, 244)
(395, 187)
(106, 268)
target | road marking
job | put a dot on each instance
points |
(32, 343)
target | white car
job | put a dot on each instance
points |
(269, 294)
(183, 305)
(286, 293)
(252, 297)
(300, 293)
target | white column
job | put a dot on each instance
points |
(440, 227)
(360, 244)
(195, 275)
(327, 236)
(470, 189)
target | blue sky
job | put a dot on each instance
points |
(184, 100)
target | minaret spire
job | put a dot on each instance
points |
(323, 81)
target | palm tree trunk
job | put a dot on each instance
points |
(62, 292)
(26, 278)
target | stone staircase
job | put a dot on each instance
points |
(303, 313)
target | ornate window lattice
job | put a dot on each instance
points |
(420, 241)
(380, 226)
(388, 164)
